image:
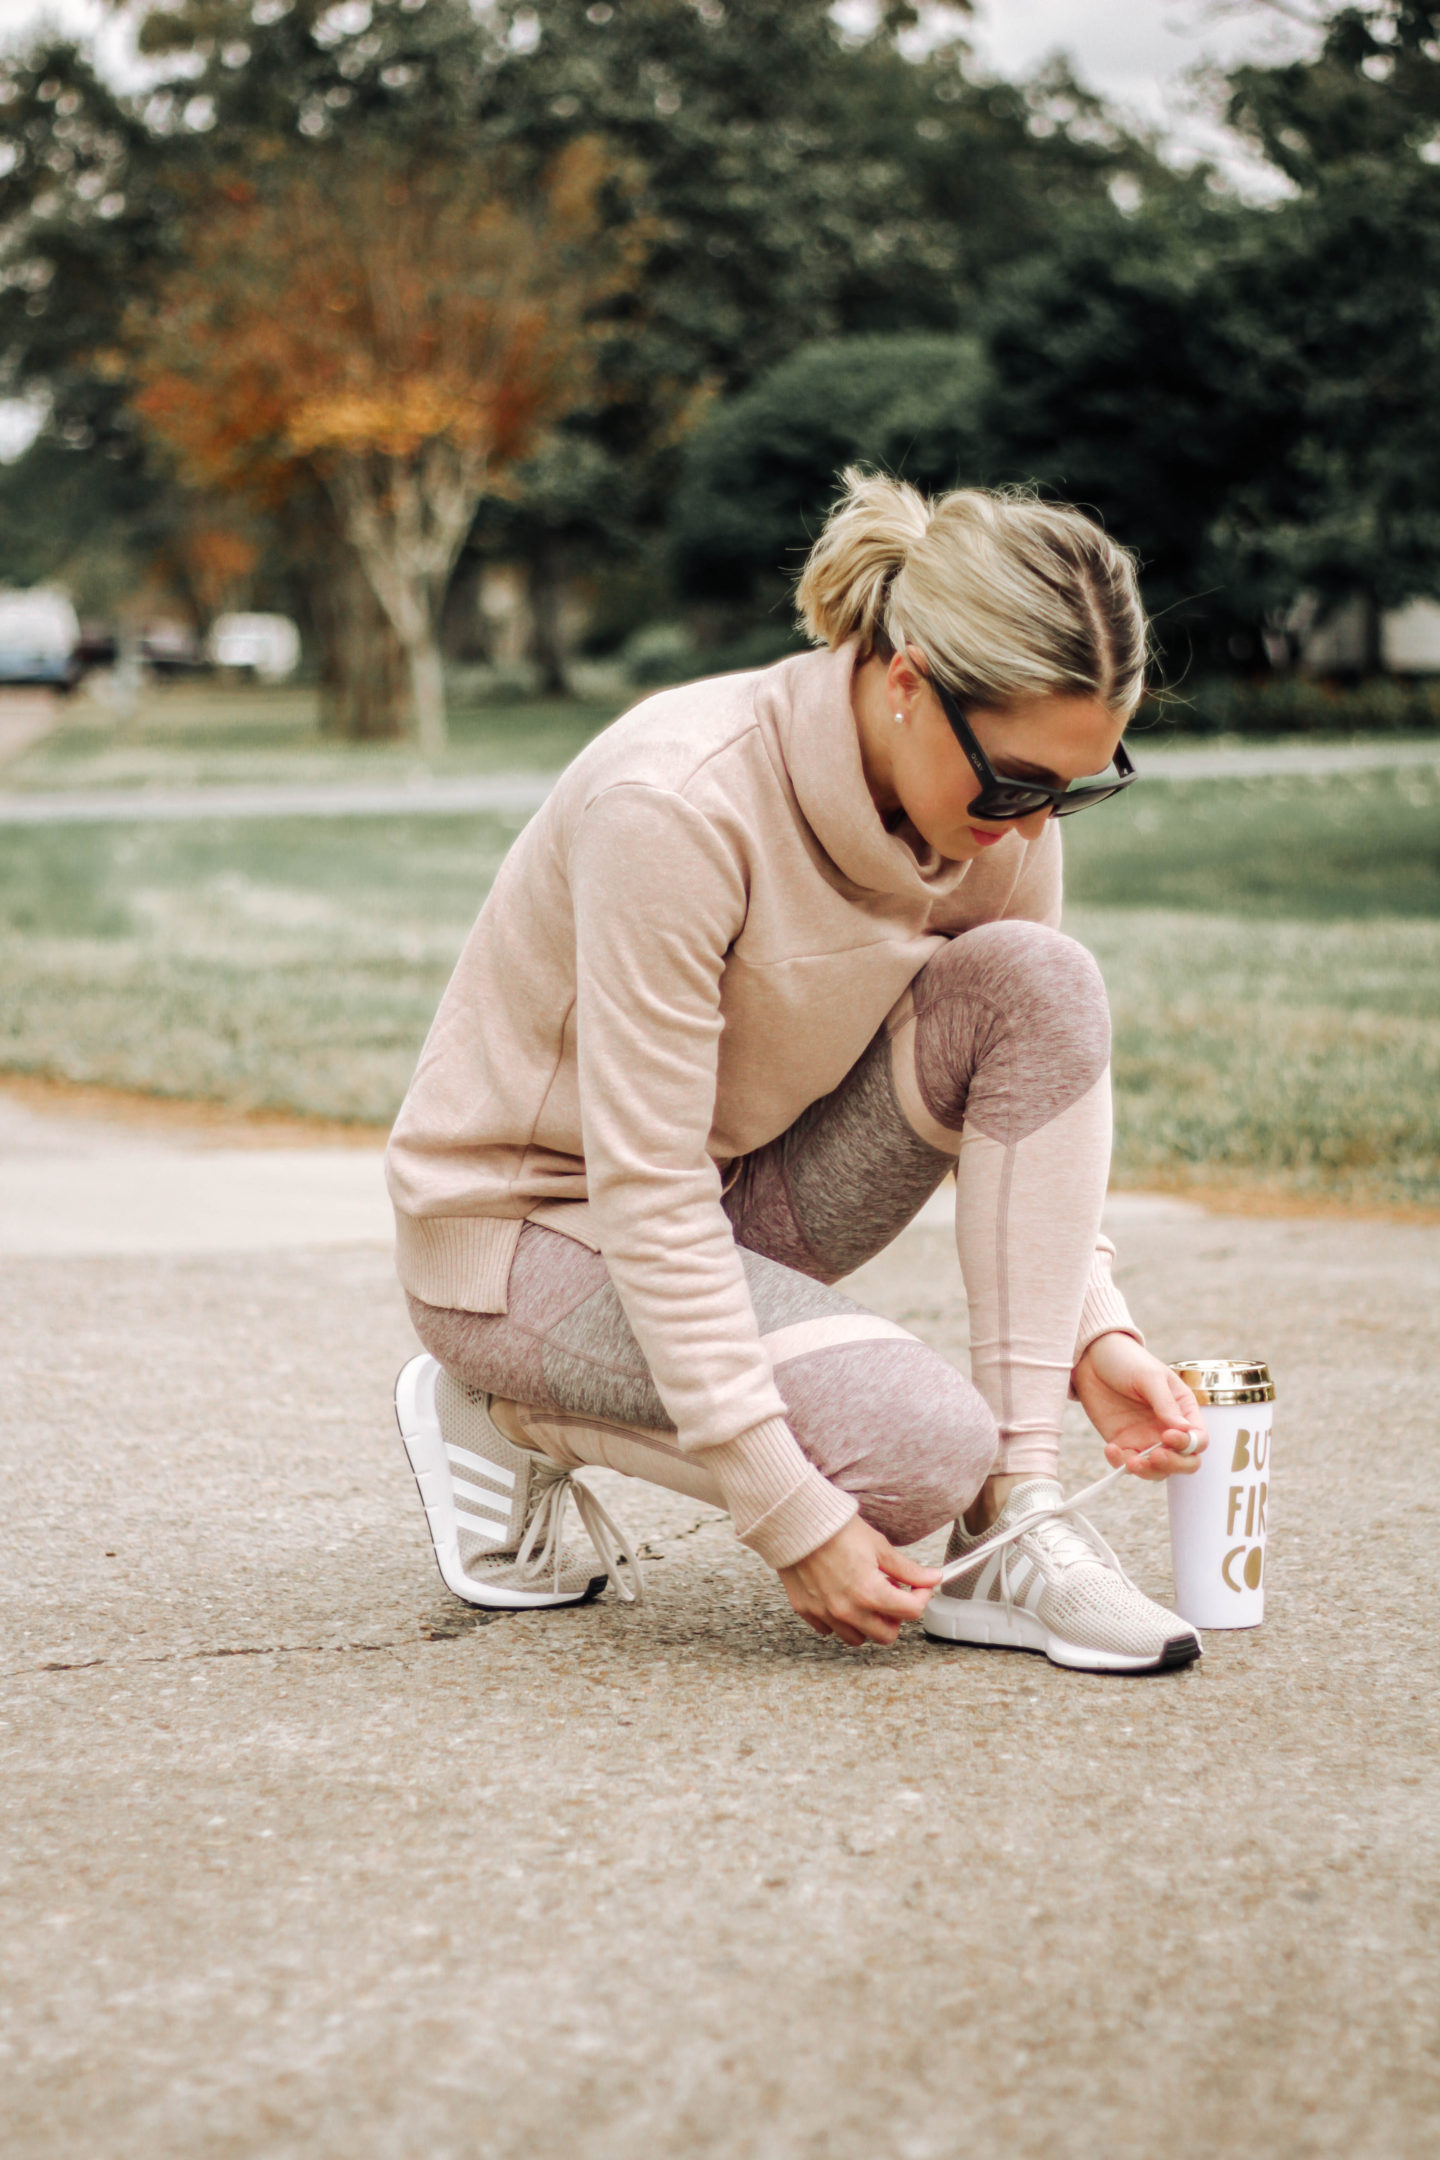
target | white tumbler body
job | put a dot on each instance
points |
(1218, 1520)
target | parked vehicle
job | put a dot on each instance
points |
(99, 647)
(266, 646)
(172, 648)
(39, 637)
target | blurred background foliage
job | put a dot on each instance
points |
(818, 246)
(845, 246)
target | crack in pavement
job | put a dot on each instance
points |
(194, 1657)
(472, 1620)
(649, 1550)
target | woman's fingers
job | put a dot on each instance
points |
(1158, 1391)
(884, 1596)
(876, 1616)
(902, 1569)
(857, 1587)
(1168, 1461)
(1188, 1400)
(1182, 1415)
(1152, 1460)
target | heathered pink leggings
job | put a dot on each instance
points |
(993, 1064)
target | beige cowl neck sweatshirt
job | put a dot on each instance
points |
(695, 938)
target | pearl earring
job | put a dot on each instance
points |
(899, 719)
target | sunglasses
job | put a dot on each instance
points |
(1000, 799)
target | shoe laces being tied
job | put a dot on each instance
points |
(541, 1548)
(1066, 1538)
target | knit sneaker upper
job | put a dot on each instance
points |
(1061, 1570)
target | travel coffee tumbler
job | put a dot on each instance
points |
(1217, 1515)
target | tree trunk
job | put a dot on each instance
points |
(427, 690)
(406, 518)
(464, 632)
(1371, 657)
(547, 643)
(362, 668)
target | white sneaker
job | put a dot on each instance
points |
(494, 1509)
(1043, 1579)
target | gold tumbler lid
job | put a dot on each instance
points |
(1220, 1382)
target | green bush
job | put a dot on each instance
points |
(760, 472)
(1295, 705)
(666, 652)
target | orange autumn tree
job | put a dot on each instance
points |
(407, 336)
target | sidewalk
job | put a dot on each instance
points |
(303, 1859)
(521, 793)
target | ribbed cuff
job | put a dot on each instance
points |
(781, 1506)
(458, 1262)
(1104, 1311)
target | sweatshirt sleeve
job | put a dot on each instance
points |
(1037, 898)
(1104, 1311)
(659, 898)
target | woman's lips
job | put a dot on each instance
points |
(985, 839)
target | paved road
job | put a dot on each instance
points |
(456, 797)
(524, 792)
(83, 1185)
(1263, 761)
(302, 1860)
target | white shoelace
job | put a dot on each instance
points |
(1083, 1531)
(542, 1547)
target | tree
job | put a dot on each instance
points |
(406, 334)
(1356, 274)
(803, 179)
(1138, 369)
(800, 182)
(1247, 394)
(804, 183)
(762, 468)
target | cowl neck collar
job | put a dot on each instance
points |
(807, 702)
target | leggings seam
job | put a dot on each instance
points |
(818, 1271)
(587, 1421)
(1002, 1291)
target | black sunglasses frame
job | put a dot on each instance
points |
(1000, 800)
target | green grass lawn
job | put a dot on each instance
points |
(293, 965)
(1272, 950)
(1329, 849)
(1300, 1057)
(189, 735)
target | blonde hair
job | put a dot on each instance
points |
(1006, 596)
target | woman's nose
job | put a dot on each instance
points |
(1029, 828)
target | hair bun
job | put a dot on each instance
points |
(867, 539)
(1006, 596)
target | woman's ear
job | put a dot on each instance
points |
(902, 678)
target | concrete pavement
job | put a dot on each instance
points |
(301, 1858)
(74, 1184)
(460, 795)
(418, 795)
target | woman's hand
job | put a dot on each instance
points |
(1133, 1401)
(858, 1587)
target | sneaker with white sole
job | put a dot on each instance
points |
(1042, 1578)
(494, 1509)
